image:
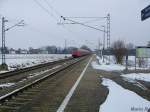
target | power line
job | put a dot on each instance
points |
(57, 13)
(88, 17)
(81, 24)
(45, 9)
(52, 8)
(90, 21)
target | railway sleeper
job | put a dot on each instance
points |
(30, 92)
(8, 109)
(22, 99)
(14, 104)
(26, 96)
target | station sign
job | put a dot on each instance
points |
(143, 52)
(145, 13)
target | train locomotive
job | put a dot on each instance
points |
(80, 52)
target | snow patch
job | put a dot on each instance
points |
(113, 66)
(122, 100)
(7, 85)
(42, 72)
(18, 61)
(138, 76)
(99, 64)
(39, 73)
(110, 67)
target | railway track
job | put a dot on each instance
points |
(23, 70)
(19, 78)
(21, 99)
(29, 75)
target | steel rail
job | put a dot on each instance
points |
(30, 85)
(23, 70)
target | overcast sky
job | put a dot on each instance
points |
(42, 28)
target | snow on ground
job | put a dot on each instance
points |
(135, 82)
(131, 62)
(99, 64)
(138, 76)
(122, 100)
(3, 71)
(42, 72)
(107, 67)
(16, 61)
(110, 67)
(39, 73)
(6, 85)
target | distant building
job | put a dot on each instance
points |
(49, 50)
(12, 51)
(34, 51)
(53, 50)
(23, 51)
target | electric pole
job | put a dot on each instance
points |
(108, 35)
(3, 41)
(103, 42)
(65, 48)
(99, 48)
(4, 65)
(107, 29)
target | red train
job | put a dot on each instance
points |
(80, 52)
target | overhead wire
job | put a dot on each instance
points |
(59, 15)
(49, 13)
(52, 8)
(87, 17)
(82, 24)
(45, 9)
(91, 21)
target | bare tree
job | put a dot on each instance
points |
(119, 50)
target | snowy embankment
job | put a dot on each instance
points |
(122, 100)
(99, 64)
(138, 76)
(17, 61)
(112, 66)
(135, 78)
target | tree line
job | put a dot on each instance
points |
(43, 50)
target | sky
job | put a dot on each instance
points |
(42, 17)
